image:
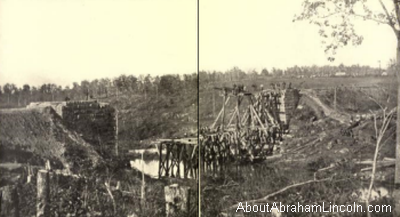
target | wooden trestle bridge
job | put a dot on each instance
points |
(176, 155)
(250, 131)
(253, 129)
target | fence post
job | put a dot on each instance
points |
(176, 199)
(43, 194)
(9, 201)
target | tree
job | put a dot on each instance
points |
(169, 84)
(94, 88)
(85, 87)
(26, 91)
(105, 85)
(265, 72)
(9, 89)
(52, 90)
(335, 19)
(76, 89)
(18, 92)
(156, 83)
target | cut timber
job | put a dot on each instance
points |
(9, 202)
(273, 157)
(370, 162)
(43, 194)
(189, 141)
(387, 162)
(176, 199)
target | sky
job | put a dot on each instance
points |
(62, 41)
(256, 34)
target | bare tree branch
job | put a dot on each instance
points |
(386, 121)
(388, 17)
(370, 18)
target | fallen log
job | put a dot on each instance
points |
(384, 162)
(378, 166)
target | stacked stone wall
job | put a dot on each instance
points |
(95, 122)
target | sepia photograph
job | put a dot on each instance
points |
(98, 108)
(297, 107)
(212, 108)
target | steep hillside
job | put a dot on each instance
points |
(36, 135)
(146, 118)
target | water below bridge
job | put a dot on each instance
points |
(150, 166)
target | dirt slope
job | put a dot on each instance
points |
(318, 131)
(341, 117)
(36, 135)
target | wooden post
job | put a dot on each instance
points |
(184, 160)
(143, 189)
(166, 163)
(9, 202)
(238, 113)
(223, 113)
(30, 174)
(43, 194)
(160, 162)
(220, 113)
(179, 154)
(176, 199)
(116, 132)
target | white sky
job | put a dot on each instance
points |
(62, 41)
(253, 34)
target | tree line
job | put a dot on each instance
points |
(150, 86)
(236, 73)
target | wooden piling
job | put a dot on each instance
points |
(116, 133)
(43, 194)
(167, 166)
(176, 199)
(185, 163)
(160, 161)
(223, 112)
(9, 206)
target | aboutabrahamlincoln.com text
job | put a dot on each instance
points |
(324, 207)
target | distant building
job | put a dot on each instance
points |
(340, 74)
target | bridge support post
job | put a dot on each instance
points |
(9, 201)
(43, 194)
(177, 199)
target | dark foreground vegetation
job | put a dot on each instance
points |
(322, 159)
(92, 183)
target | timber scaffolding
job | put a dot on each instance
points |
(177, 154)
(254, 129)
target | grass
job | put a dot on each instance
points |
(250, 182)
(36, 135)
(142, 120)
(207, 114)
(316, 142)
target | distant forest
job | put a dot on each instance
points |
(12, 96)
(236, 74)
